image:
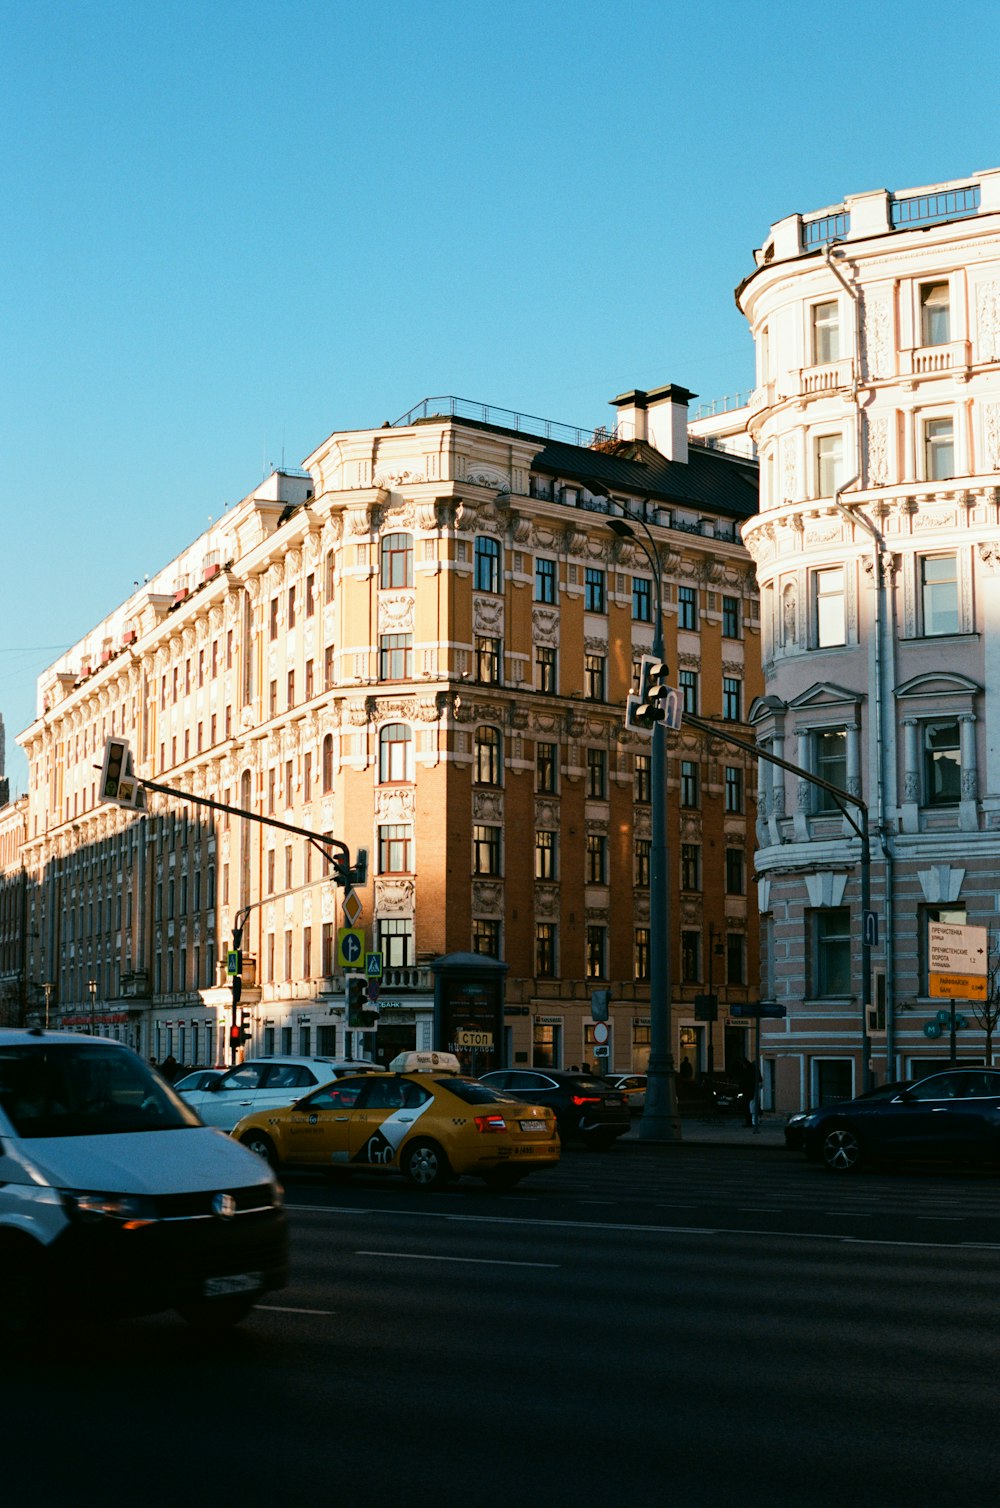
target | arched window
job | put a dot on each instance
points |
(396, 560)
(489, 757)
(395, 753)
(328, 762)
(487, 573)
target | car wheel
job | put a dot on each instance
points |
(840, 1149)
(212, 1316)
(504, 1178)
(256, 1141)
(426, 1166)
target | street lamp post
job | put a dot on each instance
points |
(92, 987)
(660, 1120)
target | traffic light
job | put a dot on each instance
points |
(655, 702)
(239, 1032)
(342, 871)
(357, 994)
(245, 1024)
(600, 1003)
(118, 783)
(359, 870)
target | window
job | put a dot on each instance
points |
(640, 964)
(825, 334)
(272, 620)
(935, 314)
(597, 947)
(291, 689)
(545, 668)
(593, 677)
(642, 778)
(597, 859)
(829, 607)
(486, 938)
(488, 654)
(395, 936)
(829, 763)
(310, 594)
(395, 657)
(690, 957)
(730, 617)
(736, 958)
(939, 594)
(939, 450)
(328, 762)
(642, 599)
(690, 866)
(310, 680)
(689, 690)
(291, 607)
(942, 764)
(485, 849)
(734, 788)
(329, 575)
(597, 774)
(732, 698)
(545, 855)
(488, 756)
(828, 457)
(689, 782)
(396, 560)
(687, 607)
(329, 665)
(545, 949)
(395, 753)
(643, 853)
(594, 600)
(487, 565)
(735, 872)
(394, 841)
(832, 952)
(545, 580)
(546, 767)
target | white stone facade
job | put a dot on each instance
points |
(877, 421)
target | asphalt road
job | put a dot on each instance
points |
(709, 1325)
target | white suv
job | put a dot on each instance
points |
(264, 1084)
(115, 1199)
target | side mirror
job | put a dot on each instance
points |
(213, 1086)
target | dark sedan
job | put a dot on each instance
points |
(795, 1124)
(587, 1108)
(953, 1116)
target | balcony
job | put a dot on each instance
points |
(933, 361)
(829, 378)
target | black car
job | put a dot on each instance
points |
(953, 1116)
(795, 1124)
(586, 1108)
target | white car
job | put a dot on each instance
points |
(114, 1199)
(265, 1084)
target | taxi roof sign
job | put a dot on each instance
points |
(425, 1062)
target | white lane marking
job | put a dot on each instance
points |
(651, 1230)
(955, 1219)
(288, 1309)
(418, 1256)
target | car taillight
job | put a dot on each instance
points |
(490, 1123)
(586, 1099)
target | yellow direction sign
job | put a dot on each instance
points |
(351, 947)
(957, 961)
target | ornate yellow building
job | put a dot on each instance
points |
(421, 643)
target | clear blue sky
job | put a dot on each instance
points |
(232, 228)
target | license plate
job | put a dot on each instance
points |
(237, 1282)
(532, 1125)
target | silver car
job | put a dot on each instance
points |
(265, 1083)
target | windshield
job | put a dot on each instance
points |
(473, 1092)
(85, 1089)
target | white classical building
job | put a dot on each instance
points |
(877, 421)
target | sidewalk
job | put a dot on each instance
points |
(726, 1131)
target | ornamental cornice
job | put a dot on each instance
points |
(487, 476)
(403, 477)
(592, 645)
(293, 562)
(386, 709)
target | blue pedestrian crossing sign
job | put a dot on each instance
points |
(373, 965)
(350, 947)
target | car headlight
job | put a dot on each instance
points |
(129, 1210)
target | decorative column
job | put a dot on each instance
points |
(967, 816)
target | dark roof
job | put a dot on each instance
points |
(711, 478)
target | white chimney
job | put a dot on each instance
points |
(631, 415)
(660, 417)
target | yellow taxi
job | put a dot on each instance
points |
(422, 1118)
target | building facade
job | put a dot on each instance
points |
(877, 546)
(422, 643)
